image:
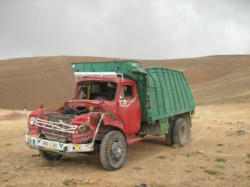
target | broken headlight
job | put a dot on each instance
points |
(32, 120)
(82, 128)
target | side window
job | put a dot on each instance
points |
(82, 92)
(126, 93)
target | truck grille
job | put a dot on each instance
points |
(65, 118)
(57, 127)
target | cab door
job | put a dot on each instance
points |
(129, 108)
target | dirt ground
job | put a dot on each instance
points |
(217, 155)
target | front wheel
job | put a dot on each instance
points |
(48, 155)
(113, 150)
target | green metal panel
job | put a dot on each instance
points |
(125, 67)
(168, 92)
(164, 126)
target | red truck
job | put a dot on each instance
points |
(115, 104)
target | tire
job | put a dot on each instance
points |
(113, 150)
(181, 131)
(48, 155)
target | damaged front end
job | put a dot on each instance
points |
(66, 130)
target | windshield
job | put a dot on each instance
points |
(96, 90)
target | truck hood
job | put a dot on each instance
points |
(92, 105)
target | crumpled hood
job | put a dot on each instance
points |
(81, 119)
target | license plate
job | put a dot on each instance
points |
(54, 145)
(45, 144)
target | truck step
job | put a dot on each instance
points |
(133, 140)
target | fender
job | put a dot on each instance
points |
(111, 120)
(33, 130)
(37, 112)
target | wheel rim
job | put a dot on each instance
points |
(183, 133)
(117, 152)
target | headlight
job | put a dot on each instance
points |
(82, 128)
(32, 120)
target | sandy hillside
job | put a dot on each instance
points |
(49, 80)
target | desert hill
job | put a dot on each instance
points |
(49, 81)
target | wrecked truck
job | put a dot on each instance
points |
(115, 104)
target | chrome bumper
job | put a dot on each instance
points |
(39, 143)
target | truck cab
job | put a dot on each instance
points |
(114, 96)
(100, 104)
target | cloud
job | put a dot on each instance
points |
(126, 29)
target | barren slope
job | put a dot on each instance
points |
(49, 80)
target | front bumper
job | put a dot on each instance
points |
(39, 143)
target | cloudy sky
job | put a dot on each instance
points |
(148, 29)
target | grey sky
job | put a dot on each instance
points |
(126, 29)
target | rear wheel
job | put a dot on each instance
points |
(181, 131)
(113, 150)
(49, 155)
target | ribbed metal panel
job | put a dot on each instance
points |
(169, 93)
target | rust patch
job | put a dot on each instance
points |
(12, 116)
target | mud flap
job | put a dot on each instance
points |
(169, 134)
